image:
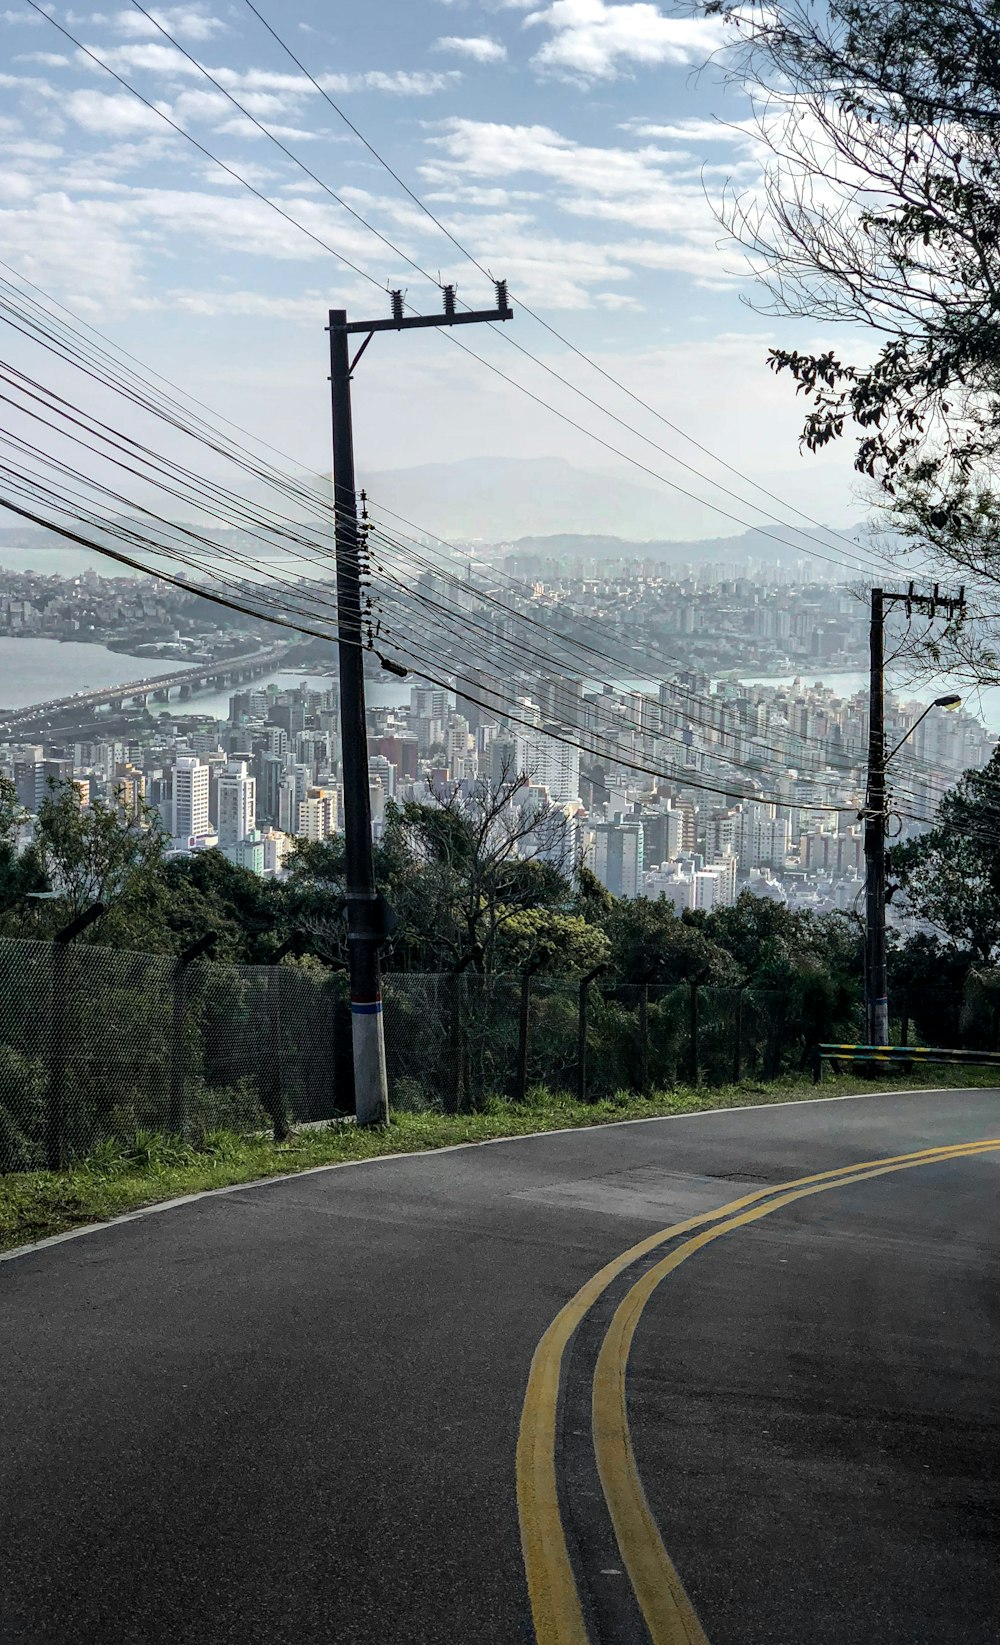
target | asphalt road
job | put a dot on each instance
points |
(290, 1413)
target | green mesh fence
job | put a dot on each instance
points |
(96, 1043)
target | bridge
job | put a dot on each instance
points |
(227, 671)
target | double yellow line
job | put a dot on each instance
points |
(555, 1601)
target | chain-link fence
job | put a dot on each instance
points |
(97, 1043)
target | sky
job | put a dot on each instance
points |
(575, 148)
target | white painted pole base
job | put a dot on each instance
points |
(880, 1022)
(371, 1090)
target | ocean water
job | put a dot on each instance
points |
(34, 671)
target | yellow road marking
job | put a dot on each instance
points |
(669, 1614)
(555, 1603)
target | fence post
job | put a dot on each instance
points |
(271, 1084)
(695, 1063)
(55, 1138)
(644, 1038)
(521, 1085)
(272, 1101)
(738, 1047)
(581, 1033)
(456, 1048)
(904, 1027)
(178, 1115)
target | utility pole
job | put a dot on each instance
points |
(366, 912)
(876, 985)
(875, 812)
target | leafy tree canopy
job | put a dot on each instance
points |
(950, 876)
(880, 125)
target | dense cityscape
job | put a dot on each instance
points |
(690, 789)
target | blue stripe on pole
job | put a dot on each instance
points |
(366, 1009)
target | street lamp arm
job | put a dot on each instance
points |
(949, 701)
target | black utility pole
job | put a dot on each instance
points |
(875, 812)
(366, 914)
(876, 986)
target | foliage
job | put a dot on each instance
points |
(650, 943)
(880, 208)
(547, 940)
(949, 877)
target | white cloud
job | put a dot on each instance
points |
(651, 198)
(111, 114)
(694, 130)
(595, 40)
(191, 22)
(400, 83)
(480, 47)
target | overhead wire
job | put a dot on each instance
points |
(811, 551)
(236, 500)
(539, 319)
(128, 86)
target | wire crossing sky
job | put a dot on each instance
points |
(569, 147)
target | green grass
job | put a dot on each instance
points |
(124, 1175)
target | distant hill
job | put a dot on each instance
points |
(507, 499)
(749, 546)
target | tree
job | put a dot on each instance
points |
(20, 871)
(455, 873)
(950, 876)
(88, 854)
(550, 941)
(649, 943)
(880, 209)
(479, 859)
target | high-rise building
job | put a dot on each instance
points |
(318, 814)
(550, 764)
(618, 857)
(189, 805)
(270, 771)
(288, 805)
(385, 771)
(29, 775)
(129, 790)
(429, 702)
(237, 803)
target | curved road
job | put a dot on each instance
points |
(388, 1402)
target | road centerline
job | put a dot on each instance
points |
(556, 1608)
(669, 1614)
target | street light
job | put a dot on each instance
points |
(874, 814)
(950, 701)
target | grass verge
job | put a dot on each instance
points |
(125, 1175)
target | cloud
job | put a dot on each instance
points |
(596, 41)
(111, 114)
(650, 196)
(191, 22)
(480, 47)
(694, 130)
(400, 83)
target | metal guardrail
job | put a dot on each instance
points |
(902, 1055)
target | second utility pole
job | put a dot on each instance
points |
(876, 973)
(875, 811)
(366, 914)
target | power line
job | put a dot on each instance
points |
(474, 260)
(232, 500)
(812, 550)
